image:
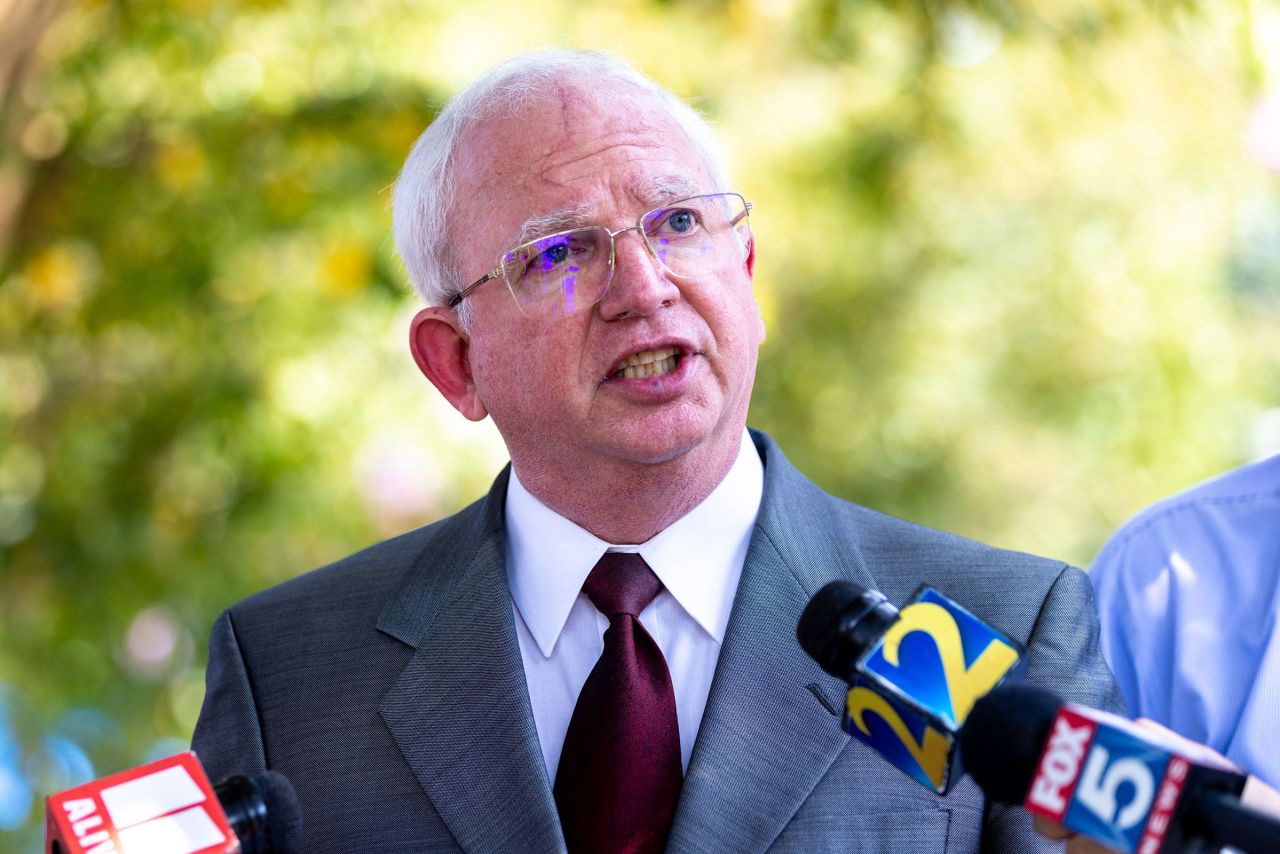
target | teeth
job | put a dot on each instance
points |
(650, 363)
(648, 356)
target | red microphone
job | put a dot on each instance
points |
(168, 807)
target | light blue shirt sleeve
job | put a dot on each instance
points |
(1189, 596)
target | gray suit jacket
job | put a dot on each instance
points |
(389, 688)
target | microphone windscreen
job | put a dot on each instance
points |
(284, 813)
(1003, 738)
(819, 623)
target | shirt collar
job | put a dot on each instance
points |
(698, 557)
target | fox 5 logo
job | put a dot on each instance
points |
(1102, 782)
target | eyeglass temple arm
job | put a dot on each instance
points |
(462, 294)
(737, 219)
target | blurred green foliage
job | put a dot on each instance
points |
(1018, 261)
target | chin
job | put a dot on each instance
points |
(663, 443)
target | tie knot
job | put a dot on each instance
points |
(621, 583)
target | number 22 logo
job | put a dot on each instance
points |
(963, 683)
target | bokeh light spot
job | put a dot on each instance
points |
(61, 764)
(152, 642)
(232, 80)
(16, 795)
(60, 276)
(398, 476)
(966, 40)
(44, 136)
(21, 472)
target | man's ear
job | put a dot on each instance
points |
(751, 274)
(440, 348)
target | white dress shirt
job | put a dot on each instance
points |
(699, 560)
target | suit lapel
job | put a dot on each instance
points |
(459, 711)
(766, 739)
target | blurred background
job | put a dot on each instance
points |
(1019, 261)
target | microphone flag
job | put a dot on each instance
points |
(166, 807)
(914, 686)
(1103, 777)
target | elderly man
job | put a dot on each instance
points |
(600, 654)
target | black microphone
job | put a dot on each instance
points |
(263, 811)
(913, 674)
(1102, 776)
(168, 807)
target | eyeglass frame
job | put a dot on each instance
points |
(497, 272)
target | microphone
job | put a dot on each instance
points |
(168, 807)
(913, 674)
(1099, 775)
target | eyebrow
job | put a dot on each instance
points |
(663, 189)
(549, 223)
(652, 192)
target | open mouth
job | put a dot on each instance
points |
(649, 363)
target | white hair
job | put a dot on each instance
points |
(423, 194)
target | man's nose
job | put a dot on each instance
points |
(640, 284)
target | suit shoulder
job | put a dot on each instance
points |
(824, 536)
(885, 537)
(1004, 588)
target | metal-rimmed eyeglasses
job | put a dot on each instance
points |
(571, 270)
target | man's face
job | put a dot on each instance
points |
(552, 385)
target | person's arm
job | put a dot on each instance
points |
(1129, 633)
(228, 738)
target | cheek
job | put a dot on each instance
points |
(742, 321)
(525, 373)
(496, 369)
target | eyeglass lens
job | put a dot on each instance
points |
(569, 271)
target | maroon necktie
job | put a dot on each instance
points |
(619, 776)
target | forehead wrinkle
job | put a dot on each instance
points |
(650, 192)
(563, 150)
